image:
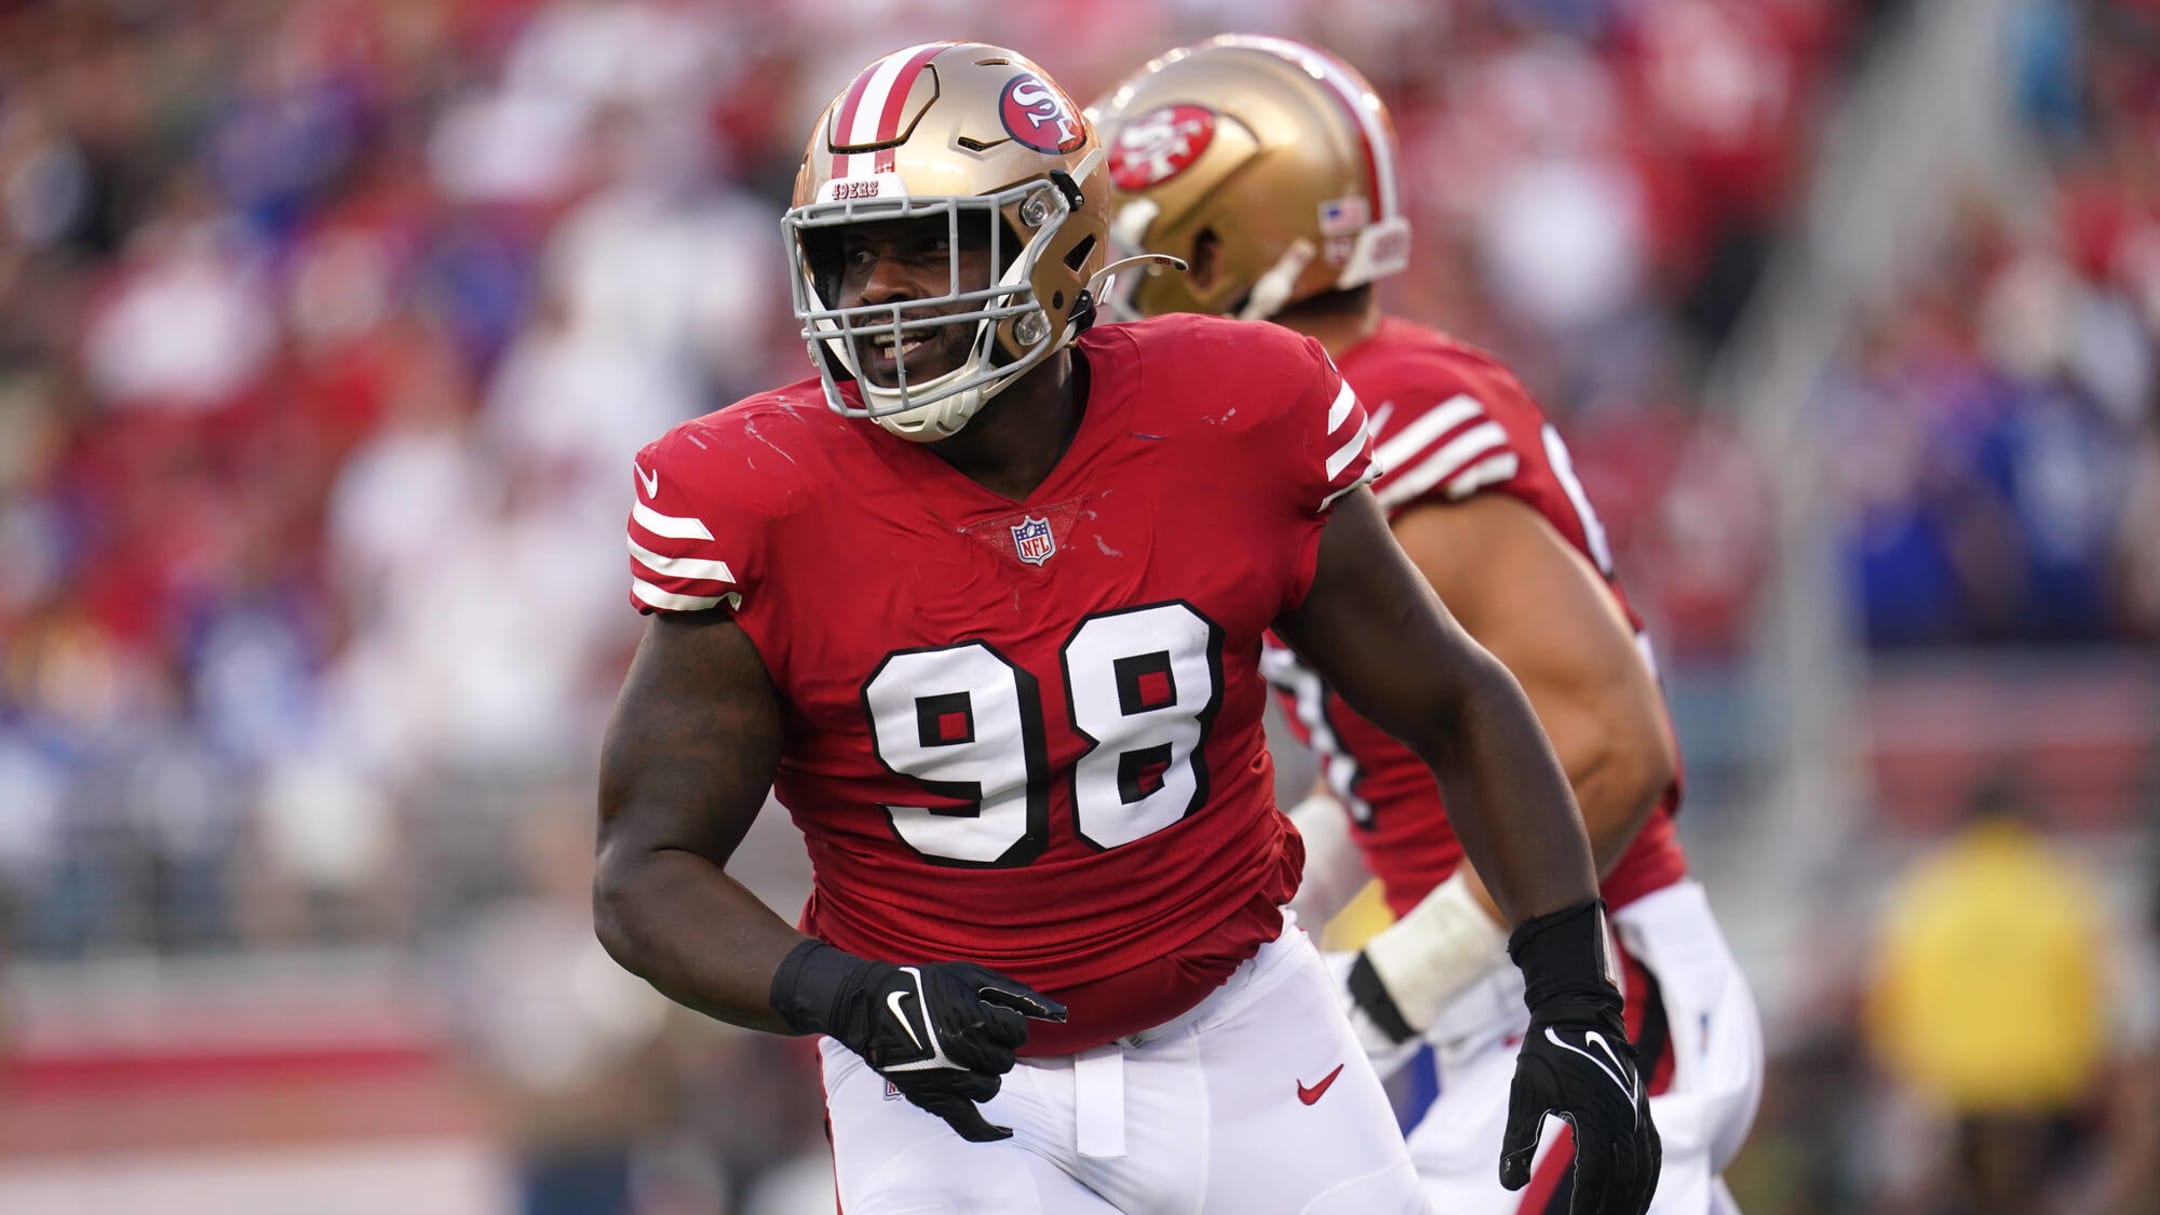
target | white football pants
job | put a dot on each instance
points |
(1257, 1100)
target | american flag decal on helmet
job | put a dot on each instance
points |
(1032, 540)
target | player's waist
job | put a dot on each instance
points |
(1161, 992)
(1654, 861)
(1412, 848)
(1668, 941)
(1064, 921)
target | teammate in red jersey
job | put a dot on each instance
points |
(1271, 168)
(982, 603)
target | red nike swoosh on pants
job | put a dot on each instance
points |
(1310, 1095)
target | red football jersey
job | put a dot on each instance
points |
(1028, 733)
(1450, 422)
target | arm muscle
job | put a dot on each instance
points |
(687, 762)
(1374, 629)
(1540, 608)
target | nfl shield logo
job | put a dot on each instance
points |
(1031, 539)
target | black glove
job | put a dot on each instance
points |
(941, 1033)
(1577, 1063)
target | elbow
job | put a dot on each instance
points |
(614, 896)
(1439, 716)
(1628, 770)
(1653, 762)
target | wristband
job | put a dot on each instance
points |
(1443, 947)
(1567, 963)
(810, 984)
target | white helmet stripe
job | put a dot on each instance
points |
(1363, 106)
(866, 122)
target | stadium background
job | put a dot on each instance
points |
(327, 330)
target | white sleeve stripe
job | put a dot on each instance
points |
(671, 526)
(1442, 464)
(1344, 402)
(1346, 453)
(1441, 419)
(1371, 471)
(671, 601)
(681, 567)
(1563, 466)
(1492, 469)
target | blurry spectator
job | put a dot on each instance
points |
(566, 1043)
(2138, 545)
(184, 324)
(1813, 1148)
(45, 185)
(1686, 504)
(593, 53)
(1986, 445)
(322, 867)
(1562, 226)
(665, 267)
(1990, 1003)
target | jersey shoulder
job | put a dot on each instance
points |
(1450, 420)
(762, 450)
(709, 494)
(1244, 395)
(1211, 366)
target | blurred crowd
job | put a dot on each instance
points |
(328, 331)
(1995, 435)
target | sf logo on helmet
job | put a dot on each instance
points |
(1160, 144)
(1037, 115)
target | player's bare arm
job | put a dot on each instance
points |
(1375, 631)
(688, 759)
(1536, 604)
(1540, 608)
(1372, 626)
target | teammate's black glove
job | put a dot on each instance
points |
(1577, 1063)
(942, 1032)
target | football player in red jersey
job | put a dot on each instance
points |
(982, 602)
(1271, 167)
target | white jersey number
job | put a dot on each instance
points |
(1142, 686)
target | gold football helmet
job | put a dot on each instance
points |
(1280, 154)
(978, 135)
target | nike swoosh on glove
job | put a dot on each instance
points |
(941, 1032)
(1576, 1063)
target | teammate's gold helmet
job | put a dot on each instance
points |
(978, 135)
(1281, 154)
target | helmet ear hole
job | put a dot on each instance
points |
(1205, 261)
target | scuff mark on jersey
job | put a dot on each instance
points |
(1104, 545)
(750, 428)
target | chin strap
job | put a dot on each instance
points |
(1273, 290)
(1100, 282)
